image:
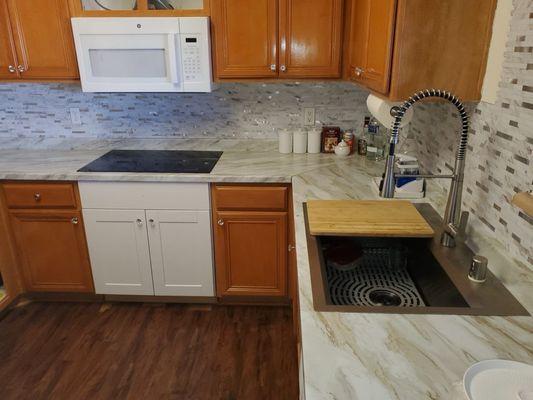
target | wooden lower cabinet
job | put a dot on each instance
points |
(251, 253)
(52, 250)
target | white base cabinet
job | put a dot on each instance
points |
(119, 251)
(180, 250)
(150, 250)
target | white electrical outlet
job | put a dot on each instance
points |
(309, 116)
(75, 116)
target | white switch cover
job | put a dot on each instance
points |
(309, 116)
(75, 116)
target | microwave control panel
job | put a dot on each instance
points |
(192, 58)
(195, 51)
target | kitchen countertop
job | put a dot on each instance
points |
(345, 355)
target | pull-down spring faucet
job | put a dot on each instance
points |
(454, 221)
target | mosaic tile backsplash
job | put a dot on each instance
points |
(499, 161)
(232, 110)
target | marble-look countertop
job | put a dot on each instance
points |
(348, 356)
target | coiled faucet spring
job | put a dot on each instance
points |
(454, 220)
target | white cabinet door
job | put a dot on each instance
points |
(118, 248)
(180, 248)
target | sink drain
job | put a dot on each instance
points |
(383, 297)
(373, 283)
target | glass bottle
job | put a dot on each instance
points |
(372, 140)
(362, 140)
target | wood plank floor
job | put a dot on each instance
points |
(140, 351)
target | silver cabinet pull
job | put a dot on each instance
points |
(12, 69)
(273, 67)
(74, 221)
(220, 222)
(37, 196)
(152, 222)
(21, 68)
(283, 68)
(139, 222)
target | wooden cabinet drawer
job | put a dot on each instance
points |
(272, 198)
(40, 195)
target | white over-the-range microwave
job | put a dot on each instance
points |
(143, 54)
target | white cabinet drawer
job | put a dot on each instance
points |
(144, 195)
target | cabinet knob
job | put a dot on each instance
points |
(152, 222)
(74, 221)
(21, 68)
(12, 69)
(37, 196)
(273, 67)
(291, 247)
(359, 71)
(220, 222)
(139, 222)
(283, 68)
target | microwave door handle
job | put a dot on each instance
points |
(173, 59)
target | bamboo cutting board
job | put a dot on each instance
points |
(372, 218)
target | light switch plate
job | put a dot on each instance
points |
(309, 116)
(75, 116)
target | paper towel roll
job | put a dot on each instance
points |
(381, 109)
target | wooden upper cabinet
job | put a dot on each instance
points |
(399, 47)
(372, 33)
(43, 39)
(310, 38)
(246, 38)
(249, 44)
(8, 60)
(442, 45)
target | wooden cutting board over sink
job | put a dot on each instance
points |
(366, 218)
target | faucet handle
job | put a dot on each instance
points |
(458, 232)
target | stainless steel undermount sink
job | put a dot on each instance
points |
(403, 276)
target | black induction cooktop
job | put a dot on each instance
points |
(155, 161)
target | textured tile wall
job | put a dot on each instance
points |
(499, 161)
(232, 110)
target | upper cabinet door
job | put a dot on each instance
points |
(372, 38)
(8, 61)
(310, 38)
(181, 254)
(43, 38)
(245, 38)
